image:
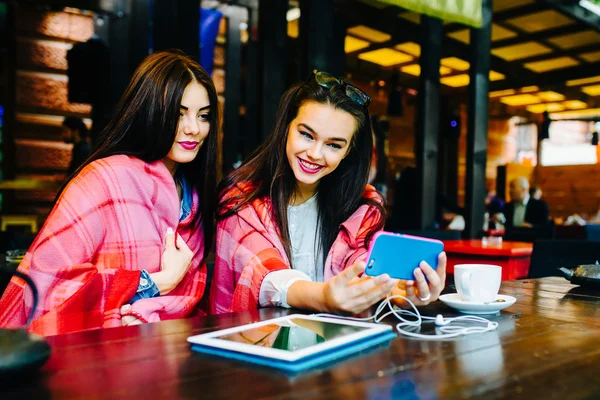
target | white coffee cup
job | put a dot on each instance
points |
(477, 283)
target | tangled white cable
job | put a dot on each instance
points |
(442, 324)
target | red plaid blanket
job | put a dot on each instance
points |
(248, 247)
(108, 224)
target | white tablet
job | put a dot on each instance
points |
(292, 338)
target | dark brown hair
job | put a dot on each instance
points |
(268, 171)
(144, 125)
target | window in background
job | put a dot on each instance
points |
(570, 143)
(526, 142)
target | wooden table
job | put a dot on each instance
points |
(546, 347)
(513, 257)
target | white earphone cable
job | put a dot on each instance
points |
(442, 324)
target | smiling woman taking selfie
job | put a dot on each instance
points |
(295, 221)
(126, 240)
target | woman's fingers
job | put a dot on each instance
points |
(411, 295)
(421, 283)
(441, 268)
(366, 292)
(346, 276)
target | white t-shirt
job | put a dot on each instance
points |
(307, 264)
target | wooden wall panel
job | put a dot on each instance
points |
(570, 189)
(71, 27)
(47, 93)
(43, 39)
(42, 54)
(42, 155)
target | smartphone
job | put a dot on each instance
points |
(399, 255)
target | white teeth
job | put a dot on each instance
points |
(309, 166)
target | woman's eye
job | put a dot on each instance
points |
(205, 116)
(335, 146)
(306, 135)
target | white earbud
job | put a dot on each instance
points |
(447, 329)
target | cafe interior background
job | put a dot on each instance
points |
(541, 56)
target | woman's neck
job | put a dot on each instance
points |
(171, 166)
(303, 193)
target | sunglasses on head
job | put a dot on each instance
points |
(355, 94)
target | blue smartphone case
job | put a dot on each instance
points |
(399, 255)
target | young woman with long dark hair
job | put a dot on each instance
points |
(295, 221)
(127, 238)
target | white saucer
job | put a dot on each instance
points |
(470, 307)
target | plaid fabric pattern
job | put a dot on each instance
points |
(107, 226)
(248, 247)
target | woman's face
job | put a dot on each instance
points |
(192, 128)
(318, 140)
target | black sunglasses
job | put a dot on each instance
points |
(355, 94)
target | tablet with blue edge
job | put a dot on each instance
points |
(293, 343)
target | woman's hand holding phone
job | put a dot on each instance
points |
(426, 287)
(347, 293)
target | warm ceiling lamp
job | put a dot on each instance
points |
(385, 57)
(415, 69)
(520, 100)
(370, 34)
(352, 44)
(455, 63)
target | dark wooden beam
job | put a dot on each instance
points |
(402, 30)
(537, 36)
(428, 119)
(139, 31)
(322, 33)
(499, 16)
(233, 89)
(176, 26)
(251, 138)
(571, 52)
(521, 11)
(272, 28)
(477, 130)
(119, 28)
(575, 11)
(571, 73)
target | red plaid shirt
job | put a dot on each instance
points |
(107, 226)
(248, 247)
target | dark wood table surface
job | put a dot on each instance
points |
(547, 346)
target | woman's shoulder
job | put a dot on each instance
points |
(235, 198)
(238, 189)
(122, 166)
(372, 194)
(372, 206)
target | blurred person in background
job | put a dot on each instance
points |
(523, 210)
(75, 131)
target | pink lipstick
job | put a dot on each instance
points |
(308, 167)
(188, 145)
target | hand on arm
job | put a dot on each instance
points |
(346, 293)
(176, 261)
(127, 320)
(423, 291)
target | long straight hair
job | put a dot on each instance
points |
(144, 125)
(269, 173)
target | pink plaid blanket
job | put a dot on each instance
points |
(108, 225)
(248, 247)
